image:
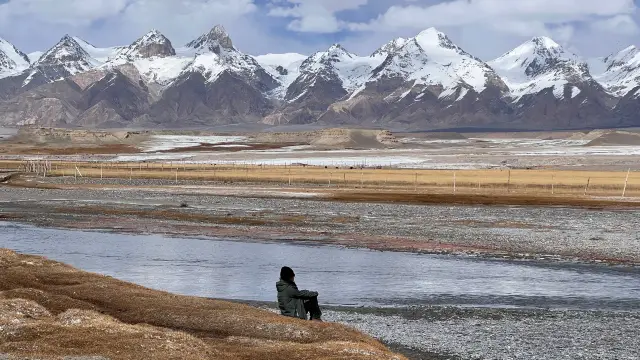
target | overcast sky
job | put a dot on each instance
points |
(485, 28)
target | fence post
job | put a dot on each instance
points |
(553, 184)
(455, 182)
(586, 188)
(509, 182)
(626, 181)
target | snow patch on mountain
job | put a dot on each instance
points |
(100, 54)
(12, 60)
(537, 65)
(34, 56)
(285, 68)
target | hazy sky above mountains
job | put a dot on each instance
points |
(485, 28)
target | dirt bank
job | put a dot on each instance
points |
(49, 310)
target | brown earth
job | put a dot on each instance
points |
(616, 138)
(49, 310)
(334, 138)
(477, 199)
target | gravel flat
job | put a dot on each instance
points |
(538, 232)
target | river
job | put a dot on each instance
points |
(248, 270)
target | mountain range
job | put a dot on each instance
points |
(419, 83)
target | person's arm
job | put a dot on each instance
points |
(303, 294)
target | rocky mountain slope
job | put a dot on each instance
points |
(423, 82)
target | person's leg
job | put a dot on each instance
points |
(313, 308)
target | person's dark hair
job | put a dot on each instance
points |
(286, 273)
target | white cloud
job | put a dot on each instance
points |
(318, 16)
(67, 12)
(621, 24)
(521, 13)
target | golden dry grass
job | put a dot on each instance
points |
(532, 182)
(49, 310)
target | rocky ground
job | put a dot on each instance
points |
(452, 333)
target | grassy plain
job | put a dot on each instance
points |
(537, 182)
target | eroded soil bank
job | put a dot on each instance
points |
(49, 310)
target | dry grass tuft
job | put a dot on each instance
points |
(52, 310)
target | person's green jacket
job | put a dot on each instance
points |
(291, 300)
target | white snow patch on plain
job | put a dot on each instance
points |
(149, 157)
(169, 142)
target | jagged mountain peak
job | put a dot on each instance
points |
(625, 56)
(152, 44)
(433, 37)
(537, 56)
(66, 50)
(12, 60)
(620, 72)
(544, 41)
(541, 64)
(390, 47)
(215, 40)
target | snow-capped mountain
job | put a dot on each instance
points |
(322, 78)
(213, 53)
(432, 60)
(214, 41)
(64, 59)
(152, 44)
(422, 82)
(621, 71)
(336, 65)
(12, 60)
(541, 64)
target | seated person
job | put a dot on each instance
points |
(293, 302)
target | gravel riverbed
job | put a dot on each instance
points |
(530, 232)
(452, 333)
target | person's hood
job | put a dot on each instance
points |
(281, 285)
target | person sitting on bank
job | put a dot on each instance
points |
(293, 302)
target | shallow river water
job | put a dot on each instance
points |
(246, 270)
